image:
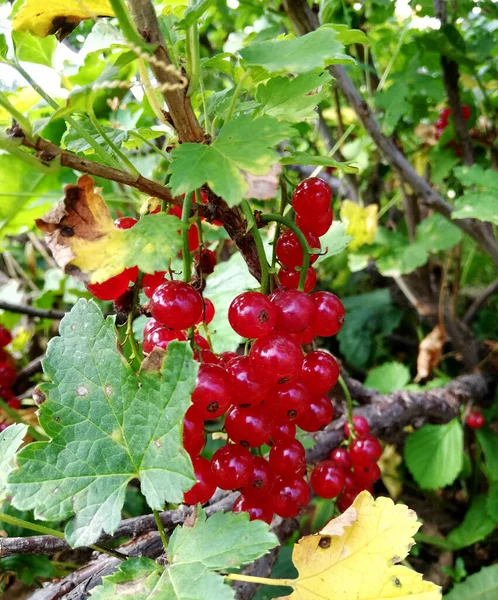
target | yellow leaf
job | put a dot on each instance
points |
(354, 557)
(388, 465)
(361, 223)
(58, 16)
(84, 241)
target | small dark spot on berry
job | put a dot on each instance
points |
(212, 407)
(282, 381)
(341, 320)
(263, 316)
(292, 414)
(257, 483)
(325, 542)
(244, 405)
(244, 443)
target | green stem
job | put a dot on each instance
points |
(19, 117)
(204, 101)
(49, 531)
(253, 227)
(349, 402)
(302, 241)
(160, 528)
(150, 92)
(193, 55)
(187, 258)
(140, 137)
(128, 27)
(14, 415)
(336, 147)
(235, 96)
(261, 580)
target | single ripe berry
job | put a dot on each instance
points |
(205, 487)
(346, 499)
(289, 278)
(289, 495)
(294, 310)
(289, 251)
(257, 510)
(445, 113)
(319, 372)
(176, 304)
(248, 426)
(193, 431)
(287, 457)
(366, 475)
(5, 337)
(476, 420)
(206, 260)
(251, 315)
(283, 430)
(261, 479)
(360, 426)
(275, 357)
(208, 311)
(441, 124)
(247, 388)
(288, 401)
(231, 466)
(340, 457)
(193, 238)
(6, 394)
(212, 391)
(312, 197)
(329, 315)
(319, 414)
(201, 341)
(125, 222)
(7, 375)
(304, 337)
(228, 356)
(113, 288)
(152, 281)
(14, 403)
(364, 451)
(466, 112)
(161, 337)
(319, 226)
(327, 479)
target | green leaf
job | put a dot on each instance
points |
(194, 13)
(300, 158)
(348, 36)
(334, 241)
(143, 579)
(488, 440)
(294, 99)
(73, 141)
(476, 525)
(32, 49)
(395, 104)
(308, 52)
(388, 378)
(482, 585)
(492, 502)
(10, 440)
(107, 426)
(225, 540)
(4, 48)
(435, 233)
(229, 279)
(481, 202)
(221, 164)
(434, 454)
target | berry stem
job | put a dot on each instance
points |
(160, 528)
(14, 415)
(301, 238)
(349, 402)
(187, 259)
(284, 198)
(252, 226)
(261, 580)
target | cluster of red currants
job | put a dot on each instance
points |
(442, 123)
(7, 373)
(350, 470)
(475, 420)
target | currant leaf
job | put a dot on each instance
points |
(10, 440)
(107, 426)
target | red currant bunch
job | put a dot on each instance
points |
(443, 122)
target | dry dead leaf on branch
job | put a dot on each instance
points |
(355, 556)
(263, 187)
(430, 351)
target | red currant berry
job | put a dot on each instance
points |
(280, 430)
(257, 510)
(289, 251)
(205, 487)
(208, 311)
(466, 112)
(246, 388)
(5, 337)
(346, 499)
(288, 401)
(176, 304)
(319, 372)
(476, 420)
(125, 222)
(261, 478)
(441, 124)
(228, 356)
(207, 261)
(275, 357)
(161, 337)
(6, 394)
(305, 337)
(327, 479)
(251, 315)
(445, 113)
(341, 458)
(289, 495)
(231, 466)
(14, 403)
(364, 451)
(289, 278)
(248, 426)
(193, 238)
(151, 282)
(212, 391)
(329, 316)
(366, 475)
(193, 431)
(7, 375)
(113, 288)
(319, 414)
(360, 426)
(287, 457)
(150, 326)
(294, 310)
(319, 226)
(312, 197)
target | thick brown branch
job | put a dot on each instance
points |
(305, 20)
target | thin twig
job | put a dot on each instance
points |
(478, 302)
(31, 310)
